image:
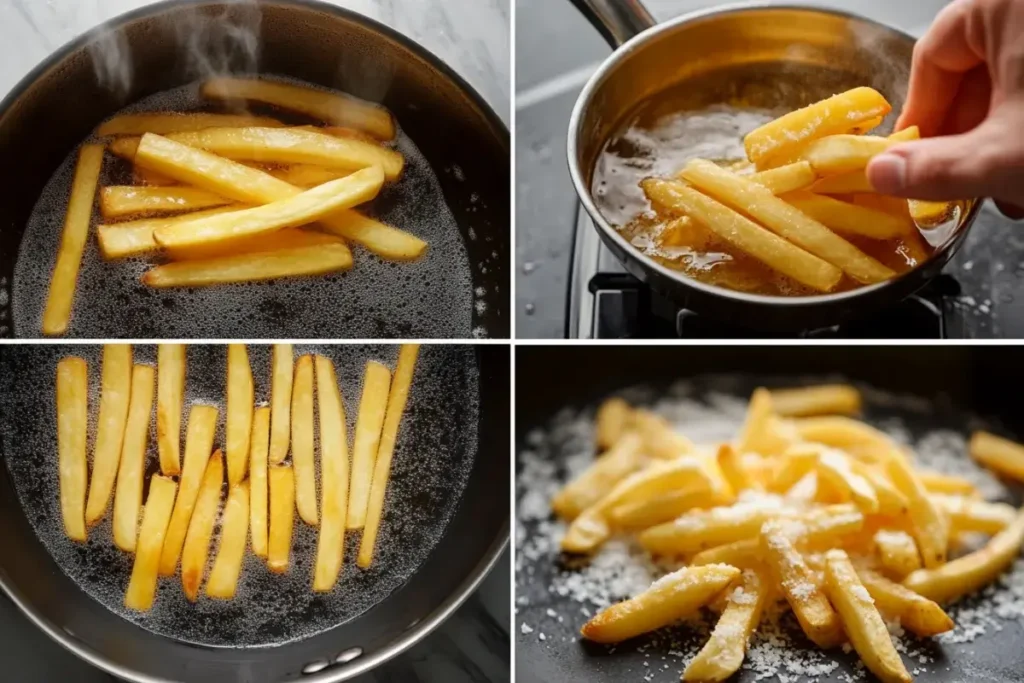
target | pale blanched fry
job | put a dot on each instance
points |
(836, 468)
(699, 530)
(785, 220)
(598, 479)
(744, 234)
(968, 515)
(397, 399)
(234, 533)
(202, 426)
(612, 420)
(916, 613)
(128, 491)
(788, 178)
(861, 620)
(302, 439)
(137, 124)
(1001, 455)
(72, 242)
(667, 600)
(826, 399)
(847, 218)
(200, 528)
(851, 182)
(930, 526)
(117, 201)
(897, 552)
(724, 651)
(239, 412)
(648, 513)
(369, 422)
(72, 427)
(170, 388)
(844, 153)
(333, 108)
(660, 440)
(330, 547)
(135, 238)
(258, 487)
(115, 393)
(281, 375)
(282, 518)
(142, 586)
(268, 265)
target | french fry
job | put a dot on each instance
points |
(891, 501)
(200, 528)
(268, 265)
(126, 148)
(281, 373)
(128, 490)
(146, 177)
(836, 469)
(1000, 455)
(967, 515)
(930, 526)
(142, 586)
(788, 178)
(307, 175)
(758, 434)
(302, 440)
(667, 600)
(599, 479)
(57, 313)
(170, 388)
(866, 126)
(702, 529)
(258, 487)
(930, 214)
(861, 620)
(648, 513)
(732, 467)
(202, 426)
(238, 429)
(936, 482)
(117, 201)
(744, 554)
(333, 108)
(262, 243)
(369, 423)
(827, 399)
(352, 133)
(613, 419)
(837, 114)
(787, 221)
(797, 462)
(397, 398)
(916, 613)
(72, 428)
(845, 153)
(135, 238)
(851, 182)
(842, 432)
(660, 440)
(234, 534)
(115, 393)
(744, 234)
(847, 218)
(330, 547)
(282, 518)
(137, 124)
(897, 552)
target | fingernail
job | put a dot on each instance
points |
(888, 172)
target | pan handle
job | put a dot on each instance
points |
(616, 20)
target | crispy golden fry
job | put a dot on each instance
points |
(916, 613)
(759, 433)
(72, 430)
(826, 399)
(847, 218)
(836, 469)
(614, 417)
(128, 491)
(598, 479)
(137, 124)
(897, 552)
(930, 526)
(281, 374)
(861, 620)
(126, 148)
(200, 528)
(135, 238)
(282, 518)
(170, 389)
(785, 220)
(966, 514)
(866, 126)
(660, 440)
(202, 426)
(648, 513)
(258, 487)
(353, 133)
(146, 177)
(723, 654)
(797, 462)
(369, 422)
(142, 586)
(788, 178)
(845, 153)
(851, 182)
(115, 393)
(744, 234)
(744, 554)
(307, 175)
(842, 432)
(1001, 455)
(936, 482)
(330, 547)
(930, 214)
(699, 530)
(268, 265)
(397, 399)
(278, 240)
(117, 201)
(234, 533)
(731, 464)
(239, 414)
(329, 107)
(971, 572)
(302, 438)
(72, 242)
(667, 600)
(891, 501)
(383, 240)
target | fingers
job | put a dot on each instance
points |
(972, 105)
(1011, 211)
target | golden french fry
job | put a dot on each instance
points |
(660, 440)
(866, 126)
(72, 242)
(147, 177)
(137, 124)
(930, 526)
(281, 373)
(847, 218)
(798, 461)
(264, 242)
(746, 235)
(333, 108)
(268, 265)
(998, 454)
(861, 620)
(200, 528)
(788, 178)
(968, 515)
(667, 600)
(353, 133)
(135, 238)
(234, 533)
(330, 547)
(744, 554)
(302, 440)
(835, 468)
(930, 214)
(72, 430)
(142, 586)
(307, 175)
(239, 413)
(702, 529)
(936, 482)
(170, 389)
(731, 464)
(599, 479)
(827, 399)
(844, 153)
(369, 423)
(851, 182)
(613, 419)
(897, 552)
(258, 487)
(842, 432)
(115, 392)
(117, 201)
(128, 491)
(126, 148)
(282, 518)
(759, 433)
(202, 426)
(916, 613)
(648, 513)
(891, 501)
(397, 399)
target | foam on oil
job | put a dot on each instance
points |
(433, 459)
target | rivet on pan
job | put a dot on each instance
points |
(316, 667)
(348, 655)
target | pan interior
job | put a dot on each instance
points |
(433, 459)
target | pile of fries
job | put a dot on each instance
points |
(806, 504)
(226, 198)
(263, 490)
(801, 203)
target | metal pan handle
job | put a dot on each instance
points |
(616, 20)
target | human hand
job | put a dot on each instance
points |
(967, 96)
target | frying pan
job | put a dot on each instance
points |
(927, 388)
(445, 523)
(458, 289)
(831, 50)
